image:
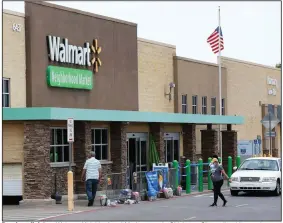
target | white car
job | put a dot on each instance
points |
(257, 174)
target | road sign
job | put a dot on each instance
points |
(70, 130)
(269, 121)
(259, 141)
(256, 141)
(270, 134)
(258, 137)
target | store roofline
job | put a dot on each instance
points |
(52, 113)
(156, 43)
(250, 63)
(80, 12)
(14, 13)
(197, 61)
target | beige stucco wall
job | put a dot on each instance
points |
(155, 70)
(14, 63)
(247, 89)
(138, 128)
(194, 77)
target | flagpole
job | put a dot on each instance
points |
(220, 84)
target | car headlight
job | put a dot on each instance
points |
(268, 179)
(235, 179)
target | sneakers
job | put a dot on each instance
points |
(224, 203)
(90, 203)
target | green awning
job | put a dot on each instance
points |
(50, 113)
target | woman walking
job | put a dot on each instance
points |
(211, 165)
(217, 180)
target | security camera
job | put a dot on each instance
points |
(171, 85)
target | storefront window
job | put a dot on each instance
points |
(195, 104)
(213, 106)
(223, 106)
(184, 104)
(204, 105)
(59, 148)
(5, 92)
(99, 143)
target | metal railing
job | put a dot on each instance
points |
(114, 183)
(139, 183)
(195, 175)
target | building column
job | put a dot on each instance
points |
(118, 135)
(157, 131)
(36, 161)
(209, 145)
(81, 149)
(229, 146)
(189, 141)
(275, 153)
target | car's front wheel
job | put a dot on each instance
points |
(277, 190)
(234, 192)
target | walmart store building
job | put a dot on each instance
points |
(114, 85)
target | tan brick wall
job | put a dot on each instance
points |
(13, 142)
(246, 87)
(14, 64)
(155, 70)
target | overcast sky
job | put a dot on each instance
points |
(251, 30)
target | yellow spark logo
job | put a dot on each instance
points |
(96, 50)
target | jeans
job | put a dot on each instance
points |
(91, 188)
(217, 190)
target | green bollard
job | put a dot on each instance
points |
(209, 182)
(200, 175)
(176, 167)
(219, 160)
(230, 167)
(238, 161)
(188, 176)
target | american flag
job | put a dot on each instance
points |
(214, 38)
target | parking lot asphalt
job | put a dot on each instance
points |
(245, 207)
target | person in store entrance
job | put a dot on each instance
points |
(91, 175)
(217, 180)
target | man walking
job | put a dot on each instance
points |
(91, 175)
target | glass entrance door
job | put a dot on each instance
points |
(136, 155)
(171, 147)
(141, 154)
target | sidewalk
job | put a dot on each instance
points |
(31, 213)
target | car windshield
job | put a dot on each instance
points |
(259, 164)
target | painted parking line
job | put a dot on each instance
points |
(241, 205)
(59, 215)
(211, 195)
(201, 195)
(189, 218)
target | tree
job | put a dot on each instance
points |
(278, 65)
